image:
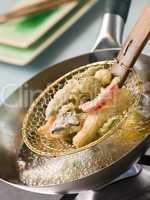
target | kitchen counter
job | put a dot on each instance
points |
(79, 39)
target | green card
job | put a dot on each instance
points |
(25, 31)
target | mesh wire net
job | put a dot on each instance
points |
(43, 144)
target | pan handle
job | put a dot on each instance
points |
(115, 15)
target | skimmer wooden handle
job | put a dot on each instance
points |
(133, 46)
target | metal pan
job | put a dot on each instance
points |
(15, 107)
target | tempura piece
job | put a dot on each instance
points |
(88, 133)
(102, 99)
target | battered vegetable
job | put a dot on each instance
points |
(104, 76)
(88, 133)
(95, 120)
(76, 89)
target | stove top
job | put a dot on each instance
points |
(136, 187)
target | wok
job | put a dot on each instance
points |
(15, 107)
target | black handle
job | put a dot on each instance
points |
(118, 7)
